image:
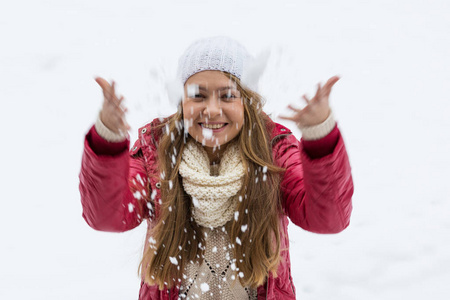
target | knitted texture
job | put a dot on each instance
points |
(108, 134)
(316, 132)
(216, 53)
(213, 201)
(217, 277)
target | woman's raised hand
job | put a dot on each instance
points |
(113, 112)
(317, 109)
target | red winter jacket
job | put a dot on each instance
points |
(119, 189)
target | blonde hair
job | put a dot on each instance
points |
(177, 234)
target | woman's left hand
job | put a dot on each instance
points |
(317, 109)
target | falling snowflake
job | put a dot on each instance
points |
(233, 266)
(173, 260)
(204, 287)
(153, 195)
(192, 90)
(195, 202)
(139, 178)
(137, 195)
(207, 133)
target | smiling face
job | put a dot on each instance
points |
(213, 109)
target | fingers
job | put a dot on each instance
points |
(330, 83)
(112, 94)
(317, 106)
(288, 118)
(109, 91)
(114, 119)
(333, 80)
(298, 113)
(297, 110)
(112, 91)
(113, 110)
(318, 88)
(102, 83)
(126, 125)
(121, 99)
(324, 92)
(306, 99)
(106, 88)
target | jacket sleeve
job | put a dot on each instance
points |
(316, 193)
(114, 188)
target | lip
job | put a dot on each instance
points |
(213, 123)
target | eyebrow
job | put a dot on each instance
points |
(220, 89)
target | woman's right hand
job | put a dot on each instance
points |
(113, 112)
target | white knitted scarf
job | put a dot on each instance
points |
(213, 201)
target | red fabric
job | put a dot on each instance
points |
(322, 147)
(316, 187)
(316, 192)
(101, 146)
(113, 188)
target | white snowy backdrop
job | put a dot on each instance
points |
(392, 105)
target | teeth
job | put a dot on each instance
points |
(212, 126)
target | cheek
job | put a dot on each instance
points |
(187, 110)
(188, 113)
(238, 114)
(191, 112)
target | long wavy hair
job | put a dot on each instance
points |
(176, 238)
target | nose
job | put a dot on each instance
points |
(213, 107)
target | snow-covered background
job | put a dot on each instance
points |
(392, 105)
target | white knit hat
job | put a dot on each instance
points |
(215, 53)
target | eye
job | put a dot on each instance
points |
(229, 96)
(197, 97)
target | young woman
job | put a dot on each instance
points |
(216, 182)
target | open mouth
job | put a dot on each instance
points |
(213, 126)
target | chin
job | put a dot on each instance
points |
(211, 143)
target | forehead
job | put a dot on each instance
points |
(211, 80)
